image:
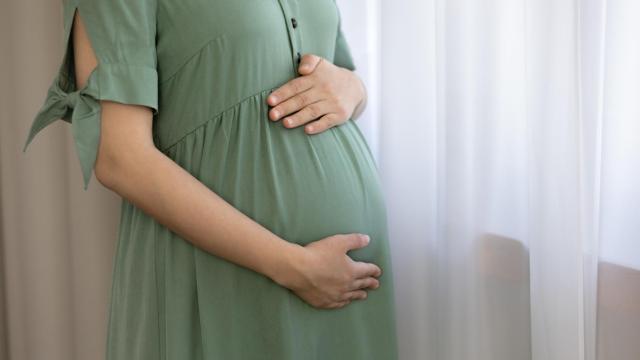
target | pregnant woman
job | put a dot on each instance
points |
(227, 128)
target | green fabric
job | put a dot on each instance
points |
(205, 68)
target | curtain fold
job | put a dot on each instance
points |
(509, 150)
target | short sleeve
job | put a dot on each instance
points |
(123, 36)
(342, 55)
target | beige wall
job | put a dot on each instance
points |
(56, 240)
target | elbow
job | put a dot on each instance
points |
(118, 164)
(106, 171)
(113, 164)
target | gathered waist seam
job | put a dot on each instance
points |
(217, 115)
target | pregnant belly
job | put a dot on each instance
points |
(301, 187)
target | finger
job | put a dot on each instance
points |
(291, 88)
(354, 295)
(339, 304)
(324, 123)
(365, 283)
(364, 269)
(310, 112)
(294, 104)
(353, 241)
(308, 63)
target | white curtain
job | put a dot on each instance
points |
(508, 137)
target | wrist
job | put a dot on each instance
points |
(362, 96)
(288, 270)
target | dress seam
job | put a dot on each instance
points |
(214, 117)
(178, 69)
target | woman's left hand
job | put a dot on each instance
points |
(324, 96)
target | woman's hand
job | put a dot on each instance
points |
(324, 96)
(326, 277)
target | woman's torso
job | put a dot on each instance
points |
(217, 62)
(212, 55)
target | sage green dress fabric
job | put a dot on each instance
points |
(205, 68)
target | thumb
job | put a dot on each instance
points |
(308, 64)
(355, 241)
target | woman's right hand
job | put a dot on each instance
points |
(326, 277)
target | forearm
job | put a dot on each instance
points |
(167, 192)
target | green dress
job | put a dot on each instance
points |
(205, 68)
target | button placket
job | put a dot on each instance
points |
(292, 24)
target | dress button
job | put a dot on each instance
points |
(294, 22)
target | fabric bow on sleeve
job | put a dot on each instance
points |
(82, 109)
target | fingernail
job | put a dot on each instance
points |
(365, 237)
(310, 128)
(276, 114)
(272, 99)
